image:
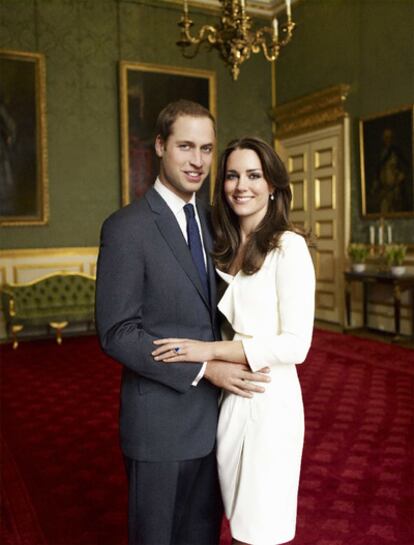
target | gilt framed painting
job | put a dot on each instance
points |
(386, 154)
(145, 89)
(23, 140)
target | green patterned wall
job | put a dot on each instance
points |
(367, 44)
(83, 40)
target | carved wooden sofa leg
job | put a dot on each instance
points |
(15, 329)
(58, 327)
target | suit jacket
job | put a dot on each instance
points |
(148, 288)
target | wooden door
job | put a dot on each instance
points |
(316, 166)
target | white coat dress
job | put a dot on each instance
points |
(260, 440)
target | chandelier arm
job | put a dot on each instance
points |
(273, 55)
(212, 33)
(288, 30)
(271, 51)
(211, 36)
(259, 41)
(187, 23)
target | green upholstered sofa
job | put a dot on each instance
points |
(55, 300)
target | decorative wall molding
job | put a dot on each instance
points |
(311, 112)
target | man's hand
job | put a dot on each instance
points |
(235, 378)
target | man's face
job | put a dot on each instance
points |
(186, 155)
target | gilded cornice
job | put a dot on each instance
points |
(266, 9)
(311, 112)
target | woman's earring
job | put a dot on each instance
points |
(272, 197)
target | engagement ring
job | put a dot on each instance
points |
(177, 349)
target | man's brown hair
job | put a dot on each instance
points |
(169, 115)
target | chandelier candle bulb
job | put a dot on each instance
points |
(389, 233)
(288, 11)
(381, 235)
(275, 28)
(185, 7)
(372, 235)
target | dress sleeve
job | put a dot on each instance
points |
(295, 287)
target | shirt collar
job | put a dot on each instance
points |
(175, 203)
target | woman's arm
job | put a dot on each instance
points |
(182, 350)
(295, 284)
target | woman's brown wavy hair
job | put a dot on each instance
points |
(276, 221)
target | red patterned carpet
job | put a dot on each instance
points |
(62, 473)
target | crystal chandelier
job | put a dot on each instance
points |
(234, 38)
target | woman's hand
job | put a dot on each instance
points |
(183, 350)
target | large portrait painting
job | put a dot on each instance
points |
(386, 151)
(23, 151)
(144, 91)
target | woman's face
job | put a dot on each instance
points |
(245, 188)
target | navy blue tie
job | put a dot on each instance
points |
(196, 248)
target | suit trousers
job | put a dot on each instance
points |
(174, 503)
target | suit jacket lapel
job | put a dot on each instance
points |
(170, 230)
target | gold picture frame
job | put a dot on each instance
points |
(24, 197)
(144, 90)
(387, 163)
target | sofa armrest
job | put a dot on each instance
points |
(8, 303)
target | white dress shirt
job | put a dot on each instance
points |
(176, 205)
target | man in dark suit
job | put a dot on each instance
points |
(156, 279)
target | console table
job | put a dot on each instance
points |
(398, 284)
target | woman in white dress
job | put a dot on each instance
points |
(269, 303)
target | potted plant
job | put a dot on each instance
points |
(358, 253)
(395, 255)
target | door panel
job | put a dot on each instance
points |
(297, 165)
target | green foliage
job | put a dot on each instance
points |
(395, 254)
(358, 253)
